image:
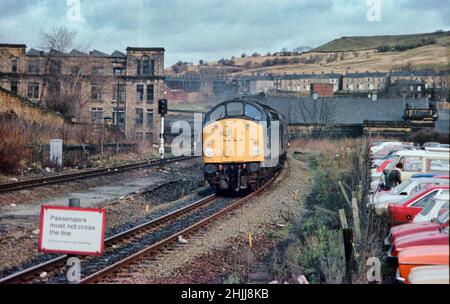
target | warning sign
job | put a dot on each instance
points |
(72, 230)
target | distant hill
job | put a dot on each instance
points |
(373, 42)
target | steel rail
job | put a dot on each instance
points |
(56, 179)
(32, 272)
(98, 276)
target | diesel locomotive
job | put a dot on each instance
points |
(244, 145)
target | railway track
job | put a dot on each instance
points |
(139, 242)
(33, 274)
(57, 179)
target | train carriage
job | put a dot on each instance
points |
(244, 144)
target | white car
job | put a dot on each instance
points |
(436, 274)
(385, 144)
(436, 206)
(381, 200)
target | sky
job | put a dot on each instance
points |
(191, 30)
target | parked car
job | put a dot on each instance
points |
(388, 153)
(411, 228)
(376, 148)
(406, 189)
(435, 237)
(431, 144)
(420, 161)
(405, 210)
(412, 257)
(438, 205)
(429, 275)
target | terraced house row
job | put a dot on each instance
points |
(348, 83)
(89, 87)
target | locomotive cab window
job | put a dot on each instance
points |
(252, 112)
(235, 109)
(217, 114)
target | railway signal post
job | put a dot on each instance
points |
(162, 110)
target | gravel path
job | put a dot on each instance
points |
(263, 214)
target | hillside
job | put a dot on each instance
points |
(373, 42)
(348, 54)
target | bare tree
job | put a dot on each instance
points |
(55, 42)
(58, 38)
(317, 115)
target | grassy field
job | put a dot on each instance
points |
(355, 54)
(426, 57)
(372, 42)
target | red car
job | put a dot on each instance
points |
(406, 210)
(434, 237)
(413, 228)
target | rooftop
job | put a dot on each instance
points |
(345, 110)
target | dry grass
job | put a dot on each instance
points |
(18, 136)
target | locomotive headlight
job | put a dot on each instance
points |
(209, 152)
(255, 151)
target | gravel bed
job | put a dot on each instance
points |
(97, 263)
(122, 214)
(266, 214)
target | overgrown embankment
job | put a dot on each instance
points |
(316, 246)
(26, 127)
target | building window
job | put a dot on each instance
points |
(138, 67)
(14, 86)
(121, 117)
(97, 115)
(140, 92)
(149, 118)
(139, 117)
(119, 92)
(98, 70)
(33, 67)
(150, 92)
(96, 91)
(119, 71)
(14, 65)
(147, 66)
(33, 90)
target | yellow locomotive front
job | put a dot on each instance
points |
(234, 143)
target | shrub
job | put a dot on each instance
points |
(13, 147)
(383, 48)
